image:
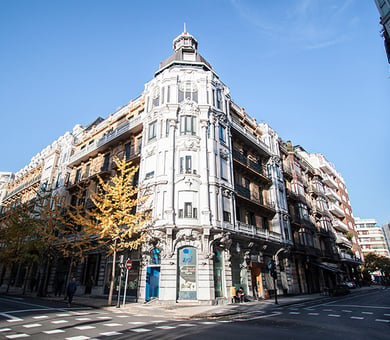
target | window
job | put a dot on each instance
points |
(188, 212)
(155, 256)
(106, 162)
(162, 95)
(152, 130)
(149, 175)
(186, 164)
(219, 99)
(224, 169)
(187, 125)
(222, 134)
(87, 169)
(167, 128)
(78, 175)
(128, 151)
(251, 218)
(156, 97)
(188, 90)
(226, 216)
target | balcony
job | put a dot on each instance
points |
(340, 226)
(23, 186)
(267, 206)
(345, 257)
(332, 194)
(341, 239)
(258, 169)
(287, 170)
(336, 210)
(106, 139)
(328, 180)
(254, 231)
(250, 137)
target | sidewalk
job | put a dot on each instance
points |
(189, 311)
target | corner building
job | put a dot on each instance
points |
(209, 169)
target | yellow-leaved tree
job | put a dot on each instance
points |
(119, 216)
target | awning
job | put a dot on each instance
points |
(325, 267)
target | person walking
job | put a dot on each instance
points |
(72, 287)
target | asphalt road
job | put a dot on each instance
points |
(364, 315)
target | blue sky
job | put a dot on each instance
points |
(315, 70)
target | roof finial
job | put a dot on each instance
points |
(185, 29)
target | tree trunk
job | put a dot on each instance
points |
(43, 286)
(26, 278)
(112, 276)
(68, 278)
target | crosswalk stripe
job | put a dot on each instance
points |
(382, 320)
(165, 327)
(113, 324)
(140, 330)
(110, 333)
(15, 336)
(5, 329)
(59, 321)
(334, 315)
(83, 319)
(313, 313)
(82, 328)
(79, 337)
(370, 313)
(40, 317)
(32, 325)
(357, 317)
(54, 331)
(186, 325)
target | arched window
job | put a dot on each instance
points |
(155, 257)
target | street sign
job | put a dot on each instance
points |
(129, 264)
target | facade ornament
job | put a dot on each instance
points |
(189, 107)
(224, 153)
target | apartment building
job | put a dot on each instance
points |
(371, 237)
(228, 196)
(384, 11)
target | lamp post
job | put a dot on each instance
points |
(122, 269)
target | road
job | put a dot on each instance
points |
(364, 315)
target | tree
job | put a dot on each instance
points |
(119, 216)
(377, 263)
(57, 234)
(18, 240)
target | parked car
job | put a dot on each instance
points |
(349, 284)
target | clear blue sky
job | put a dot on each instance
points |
(315, 70)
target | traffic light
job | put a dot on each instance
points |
(272, 268)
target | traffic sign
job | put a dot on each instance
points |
(129, 264)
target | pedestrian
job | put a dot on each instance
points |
(71, 290)
(240, 294)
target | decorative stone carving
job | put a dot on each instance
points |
(188, 107)
(224, 153)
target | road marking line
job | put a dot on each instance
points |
(79, 337)
(386, 314)
(368, 313)
(140, 330)
(294, 313)
(362, 307)
(54, 331)
(14, 336)
(5, 329)
(110, 333)
(82, 328)
(59, 321)
(122, 316)
(334, 315)
(137, 322)
(327, 310)
(158, 321)
(83, 319)
(346, 311)
(10, 317)
(40, 317)
(165, 327)
(314, 313)
(357, 317)
(260, 317)
(63, 314)
(382, 320)
(113, 324)
(208, 323)
(187, 325)
(31, 325)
